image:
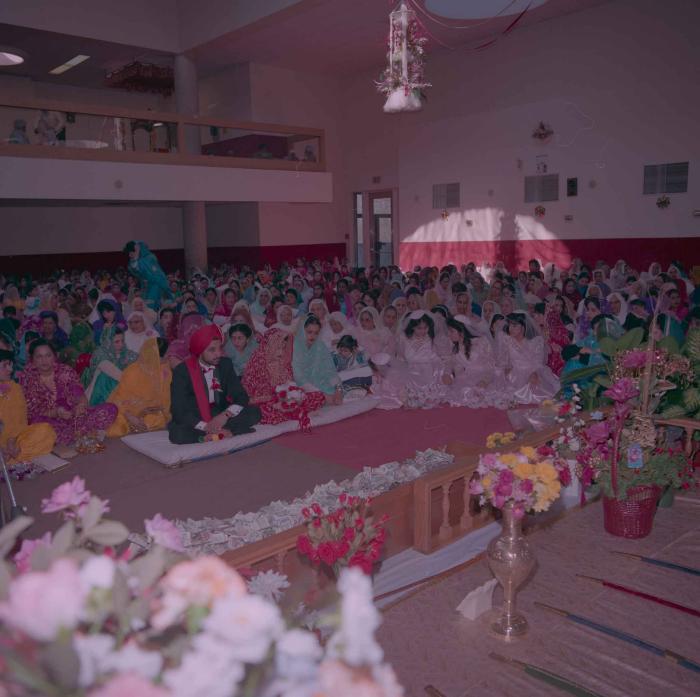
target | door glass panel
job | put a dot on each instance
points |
(359, 231)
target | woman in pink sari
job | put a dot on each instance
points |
(269, 369)
(55, 396)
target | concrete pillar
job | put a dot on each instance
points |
(194, 220)
(194, 228)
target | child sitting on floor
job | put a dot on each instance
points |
(351, 364)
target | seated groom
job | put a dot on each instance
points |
(208, 401)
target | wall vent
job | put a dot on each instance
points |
(670, 178)
(446, 196)
(542, 187)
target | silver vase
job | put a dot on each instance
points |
(511, 560)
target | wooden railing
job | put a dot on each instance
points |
(426, 514)
(178, 124)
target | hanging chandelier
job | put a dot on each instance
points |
(403, 80)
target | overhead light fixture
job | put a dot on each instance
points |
(11, 56)
(76, 60)
(157, 124)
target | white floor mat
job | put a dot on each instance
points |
(157, 446)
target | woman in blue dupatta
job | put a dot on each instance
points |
(240, 346)
(144, 265)
(312, 362)
(106, 366)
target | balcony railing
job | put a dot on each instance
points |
(63, 130)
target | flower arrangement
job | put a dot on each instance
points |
(497, 439)
(663, 202)
(289, 395)
(526, 478)
(540, 211)
(347, 537)
(621, 451)
(403, 81)
(83, 618)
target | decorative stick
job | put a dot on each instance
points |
(641, 594)
(624, 636)
(546, 676)
(660, 562)
(432, 691)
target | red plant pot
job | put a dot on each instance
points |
(632, 517)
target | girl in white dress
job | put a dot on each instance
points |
(372, 336)
(414, 378)
(521, 354)
(470, 372)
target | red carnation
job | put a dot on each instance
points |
(326, 553)
(360, 560)
(316, 509)
(304, 546)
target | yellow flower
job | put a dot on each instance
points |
(546, 472)
(510, 459)
(507, 437)
(486, 481)
(529, 452)
(524, 470)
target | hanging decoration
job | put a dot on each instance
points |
(403, 80)
(663, 202)
(540, 211)
(143, 77)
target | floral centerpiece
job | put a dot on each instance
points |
(624, 456)
(517, 482)
(497, 439)
(81, 617)
(346, 537)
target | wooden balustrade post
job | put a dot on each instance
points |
(466, 522)
(445, 528)
(280, 558)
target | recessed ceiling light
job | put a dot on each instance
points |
(10, 57)
(76, 60)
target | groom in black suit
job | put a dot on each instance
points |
(208, 401)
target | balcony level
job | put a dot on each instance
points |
(65, 151)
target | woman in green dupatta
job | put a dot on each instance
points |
(106, 366)
(80, 342)
(312, 362)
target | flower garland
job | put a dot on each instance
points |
(403, 81)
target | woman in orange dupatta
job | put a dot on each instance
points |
(143, 393)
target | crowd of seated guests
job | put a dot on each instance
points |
(83, 352)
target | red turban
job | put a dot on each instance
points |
(203, 337)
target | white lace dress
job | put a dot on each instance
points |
(477, 381)
(414, 378)
(519, 360)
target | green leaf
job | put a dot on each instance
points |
(583, 374)
(608, 346)
(41, 558)
(631, 339)
(5, 579)
(674, 411)
(603, 380)
(62, 663)
(63, 539)
(92, 514)
(108, 533)
(669, 344)
(10, 532)
(149, 568)
(120, 593)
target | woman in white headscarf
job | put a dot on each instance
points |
(337, 326)
(618, 275)
(139, 329)
(618, 307)
(285, 319)
(372, 335)
(522, 355)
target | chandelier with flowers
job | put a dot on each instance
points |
(403, 80)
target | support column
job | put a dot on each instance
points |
(194, 219)
(194, 229)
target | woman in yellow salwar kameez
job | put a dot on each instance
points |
(143, 393)
(19, 441)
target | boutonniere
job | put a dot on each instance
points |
(215, 385)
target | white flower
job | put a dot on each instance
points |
(575, 445)
(41, 603)
(298, 654)
(92, 650)
(268, 585)
(354, 641)
(208, 670)
(132, 659)
(97, 572)
(247, 624)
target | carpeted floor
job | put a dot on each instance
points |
(382, 436)
(138, 487)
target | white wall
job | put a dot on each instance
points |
(79, 229)
(233, 224)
